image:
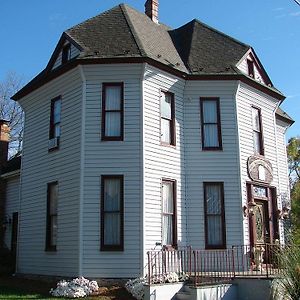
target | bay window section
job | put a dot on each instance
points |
(51, 227)
(169, 226)
(167, 109)
(215, 232)
(257, 131)
(112, 111)
(112, 213)
(210, 124)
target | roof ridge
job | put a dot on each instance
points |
(221, 33)
(131, 28)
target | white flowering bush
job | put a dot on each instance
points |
(136, 287)
(77, 288)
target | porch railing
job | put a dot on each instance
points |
(212, 266)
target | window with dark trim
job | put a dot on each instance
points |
(51, 226)
(112, 213)
(66, 53)
(250, 65)
(169, 223)
(211, 124)
(55, 117)
(112, 111)
(167, 116)
(214, 212)
(257, 131)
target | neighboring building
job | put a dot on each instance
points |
(138, 135)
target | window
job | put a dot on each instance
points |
(211, 124)
(51, 229)
(250, 65)
(66, 53)
(215, 235)
(167, 115)
(112, 213)
(169, 228)
(257, 131)
(112, 111)
(54, 128)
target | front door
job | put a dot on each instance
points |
(14, 238)
(260, 223)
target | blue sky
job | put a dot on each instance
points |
(30, 29)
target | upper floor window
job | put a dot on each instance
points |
(250, 65)
(51, 227)
(211, 124)
(112, 212)
(215, 231)
(169, 227)
(66, 53)
(112, 111)
(54, 128)
(167, 115)
(257, 131)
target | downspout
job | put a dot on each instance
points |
(82, 165)
(142, 174)
(240, 172)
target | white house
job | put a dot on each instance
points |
(140, 136)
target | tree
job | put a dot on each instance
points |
(295, 215)
(293, 152)
(12, 112)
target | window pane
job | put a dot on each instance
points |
(53, 199)
(167, 230)
(112, 194)
(213, 199)
(53, 236)
(256, 142)
(57, 130)
(112, 124)
(259, 191)
(166, 131)
(210, 112)
(112, 224)
(166, 107)
(168, 197)
(211, 136)
(255, 119)
(56, 111)
(113, 98)
(214, 230)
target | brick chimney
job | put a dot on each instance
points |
(4, 141)
(151, 10)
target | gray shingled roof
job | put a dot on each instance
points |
(281, 113)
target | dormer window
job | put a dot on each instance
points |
(250, 68)
(66, 53)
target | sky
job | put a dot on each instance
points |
(30, 30)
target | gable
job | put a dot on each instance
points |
(251, 66)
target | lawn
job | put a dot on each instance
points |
(20, 288)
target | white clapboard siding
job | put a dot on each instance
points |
(107, 158)
(211, 166)
(248, 96)
(162, 161)
(40, 167)
(11, 205)
(74, 52)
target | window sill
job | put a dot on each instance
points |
(112, 249)
(50, 249)
(167, 145)
(213, 149)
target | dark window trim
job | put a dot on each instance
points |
(172, 120)
(175, 237)
(66, 53)
(121, 136)
(261, 133)
(250, 65)
(217, 99)
(223, 245)
(52, 124)
(119, 247)
(48, 246)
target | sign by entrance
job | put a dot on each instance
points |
(260, 169)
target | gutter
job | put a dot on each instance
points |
(11, 174)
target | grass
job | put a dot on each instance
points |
(21, 288)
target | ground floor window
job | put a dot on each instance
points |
(51, 231)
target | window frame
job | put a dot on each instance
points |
(223, 221)
(250, 66)
(66, 53)
(261, 134)
(51, 122)
(172, 120)
(104, 247)
(50, 247)
(174, 219)
(217, 100)
(104, 111)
